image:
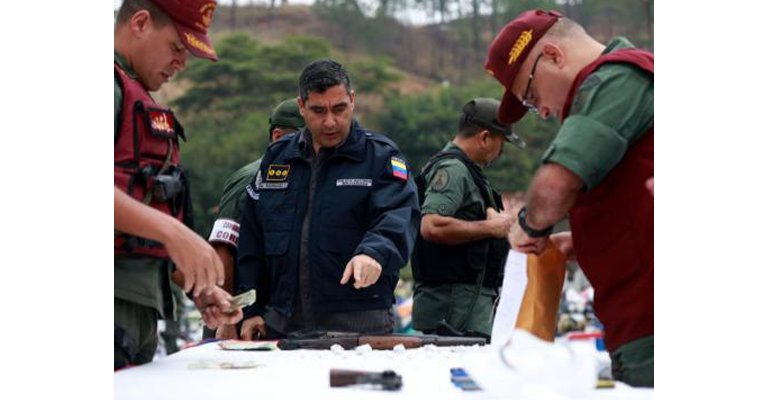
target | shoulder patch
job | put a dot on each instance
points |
(253, 193)
(591, 81)
(253, 189)
(585, 89)
(440, 180)
(399, 168)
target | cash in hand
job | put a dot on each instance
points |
(242, 300)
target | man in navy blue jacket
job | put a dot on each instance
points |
(331, 217)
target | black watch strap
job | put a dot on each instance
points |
(528, 229)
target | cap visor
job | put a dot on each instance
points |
(515, 140)
(198, 44)
(511, 110)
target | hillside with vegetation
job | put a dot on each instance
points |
(411, 81)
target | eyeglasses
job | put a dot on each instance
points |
(526, 101)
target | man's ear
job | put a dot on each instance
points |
(352, 99)
(484, 138)
(274, 133)
(140, 22)
(301, 104)
(555, 53)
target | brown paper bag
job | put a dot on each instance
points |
(545, 279)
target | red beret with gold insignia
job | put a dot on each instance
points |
(192, 19)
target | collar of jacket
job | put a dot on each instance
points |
(354, 146)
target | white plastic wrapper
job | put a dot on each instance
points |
(530, 368)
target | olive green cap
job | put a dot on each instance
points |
(483, 111)
(287, 114)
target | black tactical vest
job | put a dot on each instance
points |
(434, 263)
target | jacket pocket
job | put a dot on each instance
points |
(335, 249)
(276, 243)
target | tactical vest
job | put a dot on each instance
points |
(612, 228)
(434, 263)
(147, 162)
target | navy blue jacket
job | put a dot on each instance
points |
(362, 204)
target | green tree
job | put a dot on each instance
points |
(248, 76)
(370, 75)
(422, 124)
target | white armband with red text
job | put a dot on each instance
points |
(225, 231)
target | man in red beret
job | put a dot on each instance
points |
(595, 169)
(154, 242)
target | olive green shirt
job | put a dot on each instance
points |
(139, 280)
(611, 110)
(118, 91)
(451, 191)
(235, 191)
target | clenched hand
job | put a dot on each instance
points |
(212, 306)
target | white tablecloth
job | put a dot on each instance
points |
(305, 374)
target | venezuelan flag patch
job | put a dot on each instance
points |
(399, 168)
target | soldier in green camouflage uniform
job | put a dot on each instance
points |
(458, 217)
(285, 119)
(152, 40)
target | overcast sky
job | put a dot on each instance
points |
(412, 16)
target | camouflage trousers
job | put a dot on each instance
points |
(633, 362)
(452, 303)
(136, 336)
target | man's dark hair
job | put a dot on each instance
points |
(321, 75)
(130, 7)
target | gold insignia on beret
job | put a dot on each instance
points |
(194, 42)
(206, 12)
(519, 46)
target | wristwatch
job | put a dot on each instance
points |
(534, 233)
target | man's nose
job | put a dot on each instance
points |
(329, 120)
(181, 61)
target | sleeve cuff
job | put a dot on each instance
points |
(379, 256)
(225, 231)
(253, 311)
(588, 148)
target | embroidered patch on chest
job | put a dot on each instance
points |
(277, 173)
(273, 185)
(354, 182)
(161, 122)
